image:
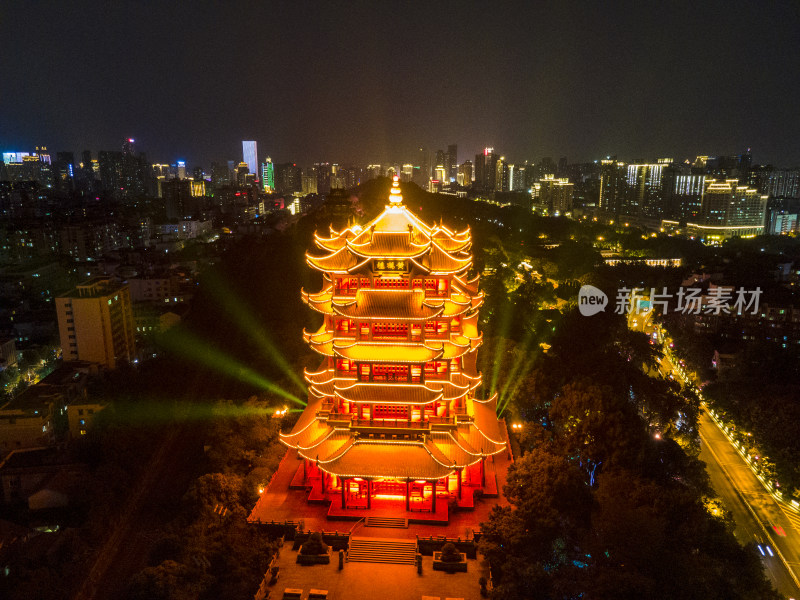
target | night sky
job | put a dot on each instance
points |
(370, 82)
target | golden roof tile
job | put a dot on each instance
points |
(387, 305)
(401, 460)
(389, 352)
(389, 393)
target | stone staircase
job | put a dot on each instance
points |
(386, 522)
(382, 550)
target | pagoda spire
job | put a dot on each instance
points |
(395, 197)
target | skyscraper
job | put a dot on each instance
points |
(644, 189)
(250, 156)
(451, 161)
(268, 175)
(612, 185)
(485, 170)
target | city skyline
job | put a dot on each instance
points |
(575, 81)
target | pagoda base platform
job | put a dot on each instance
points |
(390, 508)
(292, 497)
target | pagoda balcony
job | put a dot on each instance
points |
(390, 425)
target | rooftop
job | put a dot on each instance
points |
(95, 287)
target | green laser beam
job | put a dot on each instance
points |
(506, 397)
(525, 345)
(242, 317)
(499, 350)
(195, 349)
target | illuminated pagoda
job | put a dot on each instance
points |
(394, 410)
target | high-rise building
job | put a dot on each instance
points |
(250, 156)
(552, 195)
(220, 174)
(486, 170)
(288, 178)
(309, 182)
(95, 323)
(684, 196)
(268, 175)
(612, 186)
(393, 411)
(451, 162)
(501, 180)
(64, 172)
(644, 191)
(177, 194)
(464, 177)
(729, 210)
(516, 178)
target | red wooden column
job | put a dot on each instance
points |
(433, 509)
(408, 495)
(458, 474)
(369, 494)
(344, 502)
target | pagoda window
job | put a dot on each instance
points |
(455, 364)
(346, 285)
(364, 282)
(390, 411)
(436, 287)
(435, 328)
(346, 326)
(390, 373)
(417, 283)
(363, 371)
(390, 330)
(416, 332)
(346, 366)
(416, 373)
(363, 330)
(391, 283)
(436, 369)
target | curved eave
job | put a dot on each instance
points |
(320, 302)
(450, 350)
(389, 393)
(339, 262)
(388, 353)
(365, 251)
(401, 460)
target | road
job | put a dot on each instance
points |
(760, 518)
(756, 512)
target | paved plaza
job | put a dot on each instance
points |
(363, 581)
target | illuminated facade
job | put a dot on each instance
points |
(250, 156)
(394, 409)
(95, 322)
(268, 175)
(552, 196)
(729, 210)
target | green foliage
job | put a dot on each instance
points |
(599, 507)
(314, 545)
(450, 553)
